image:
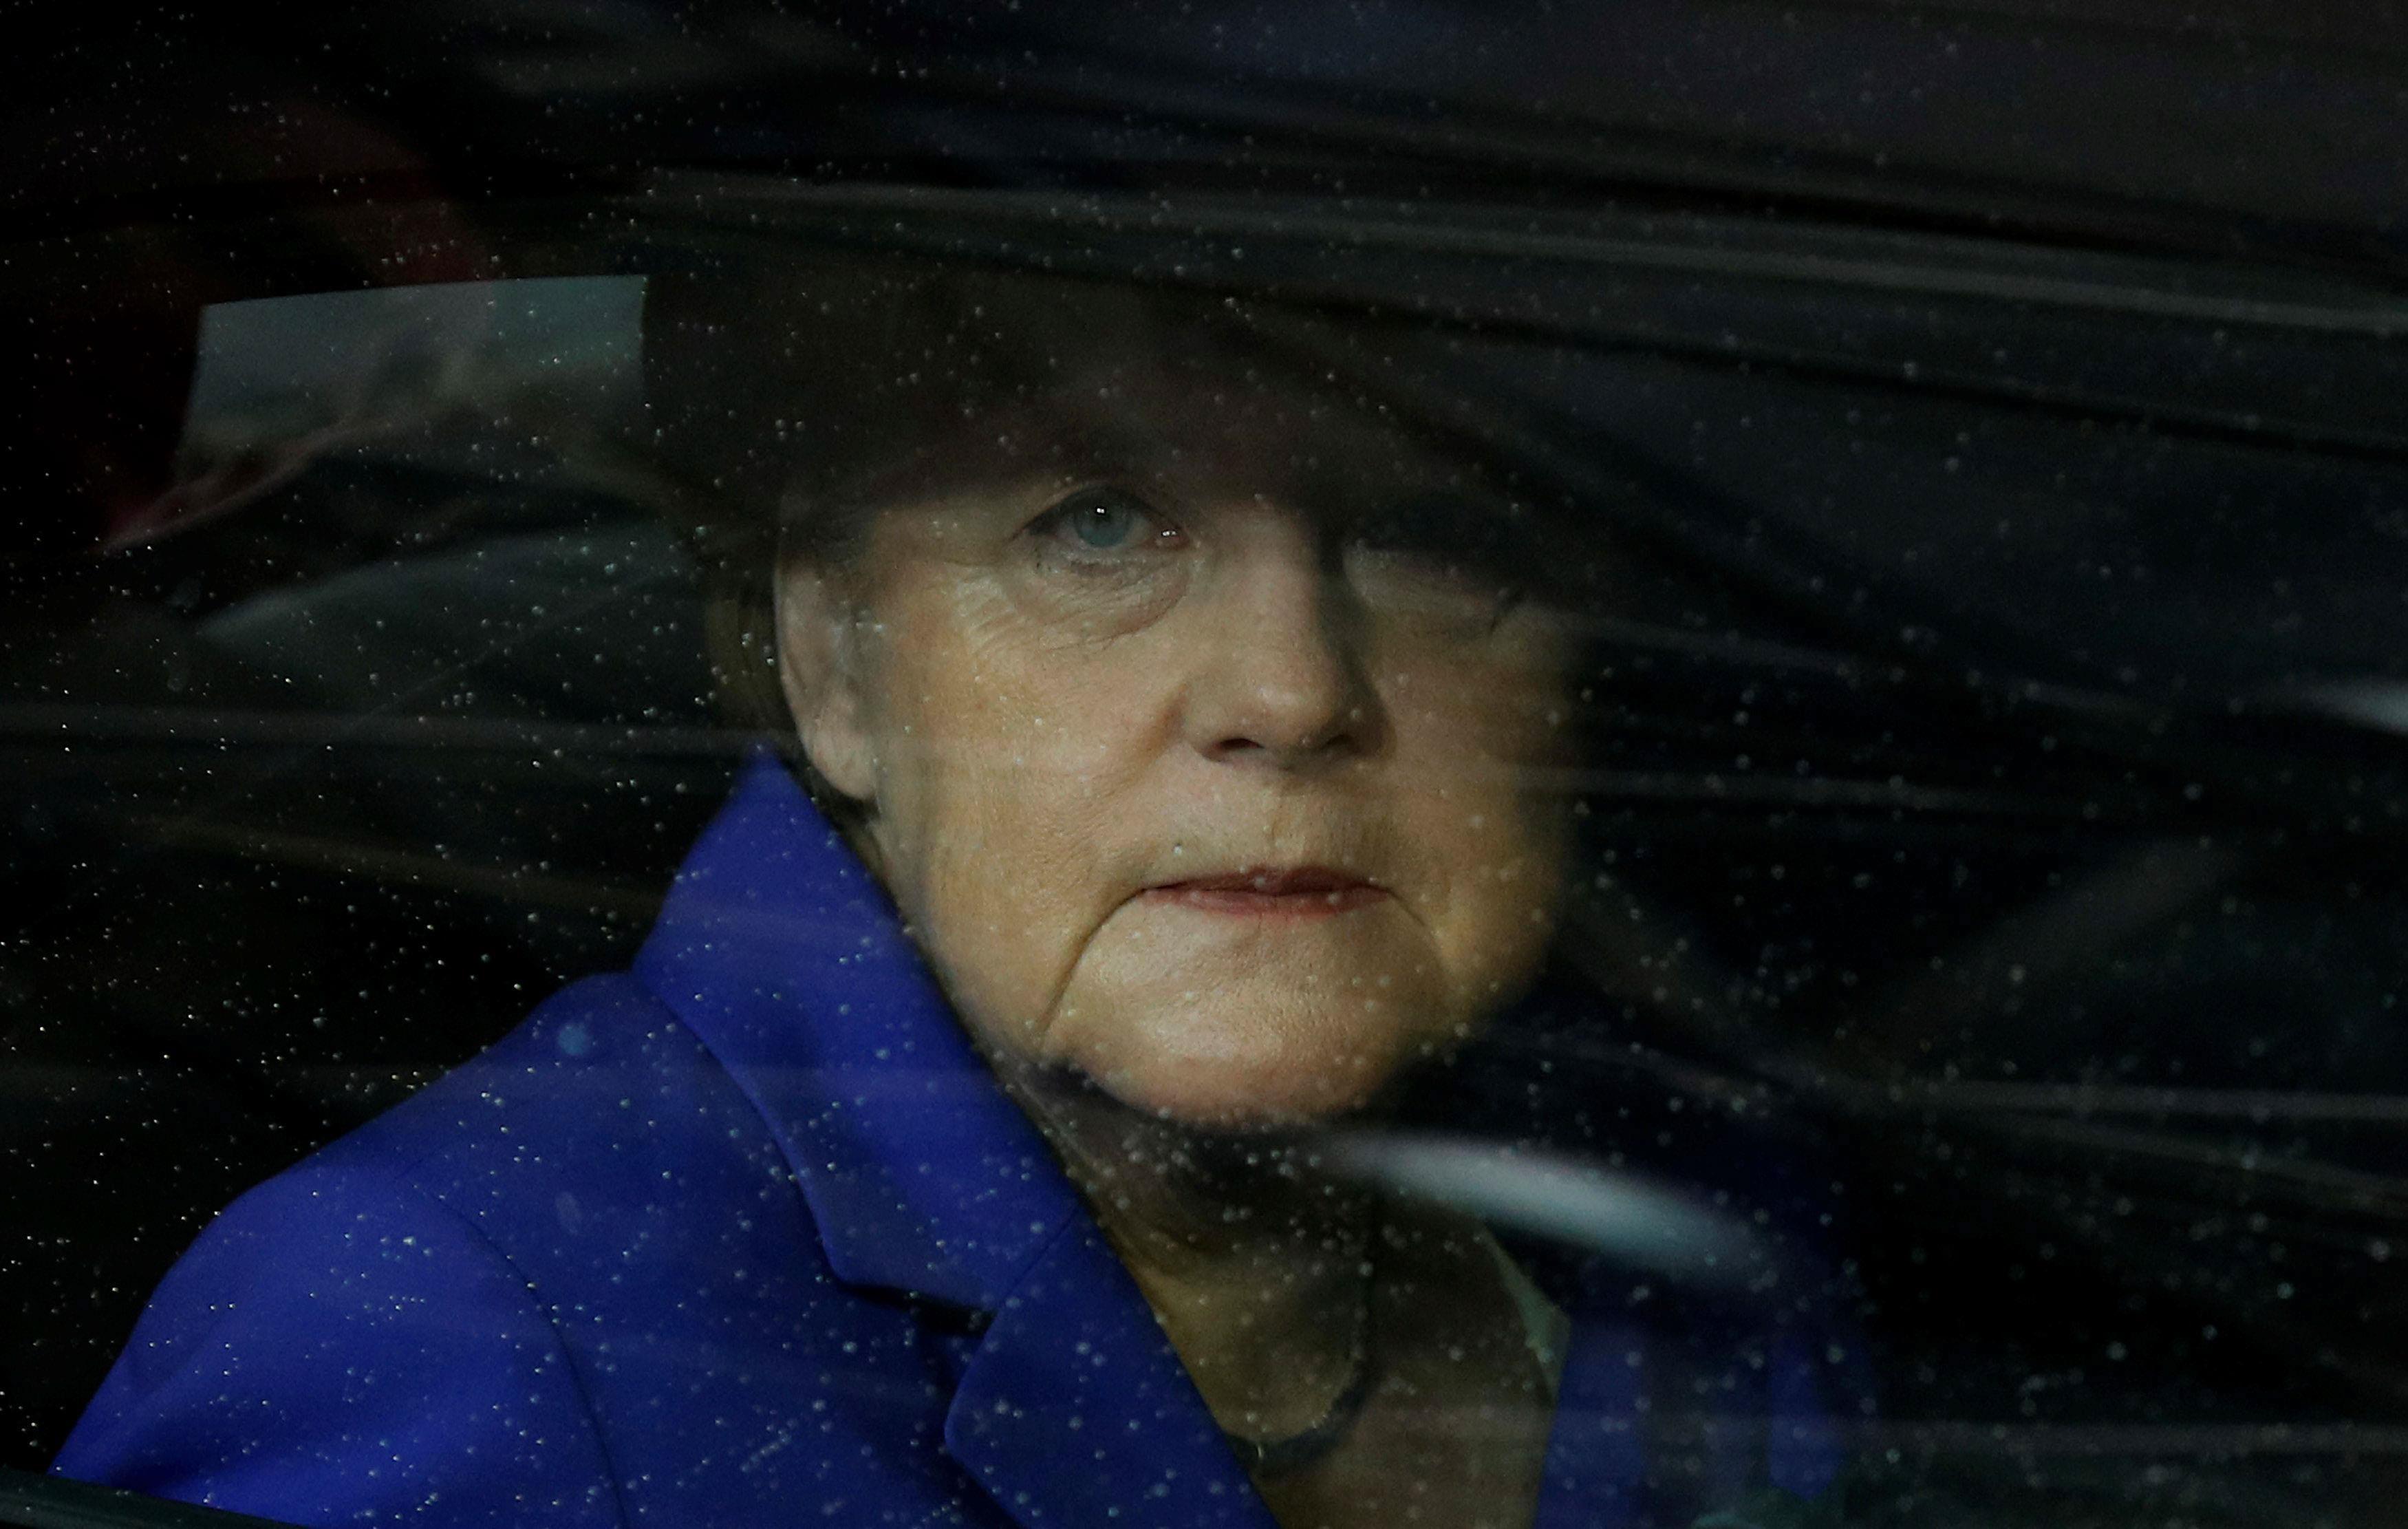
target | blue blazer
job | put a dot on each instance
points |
(748, 1235)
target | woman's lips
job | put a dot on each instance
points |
(1295, 892)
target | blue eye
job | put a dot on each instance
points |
(1108, 520)
(1103, 524)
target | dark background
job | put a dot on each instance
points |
(2044, 880)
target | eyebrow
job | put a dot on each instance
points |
(1079, 434)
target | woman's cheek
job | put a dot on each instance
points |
(1502, 867)
(999, 917)
(1486, 744)
(1006, 844)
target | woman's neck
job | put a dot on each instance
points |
(1254, 1259)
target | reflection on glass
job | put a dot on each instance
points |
(1064, 1082)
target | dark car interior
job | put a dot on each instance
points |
(2006, 816)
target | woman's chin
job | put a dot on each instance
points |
(1259, 1087)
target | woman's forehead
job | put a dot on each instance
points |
(1180, 426)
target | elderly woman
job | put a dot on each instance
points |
(1175, 747)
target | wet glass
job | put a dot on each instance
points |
(1313, 799)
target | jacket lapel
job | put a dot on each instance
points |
(782, 954)
(1075, 1409)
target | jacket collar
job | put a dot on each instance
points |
(1075, 1410)
(778, 949)
(781, 953)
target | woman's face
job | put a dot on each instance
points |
(1195, 761)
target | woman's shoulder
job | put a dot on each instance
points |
(601, 1058)
(598, 1111)
(600, 1114)
(506, 1256)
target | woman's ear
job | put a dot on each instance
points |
(819, 668)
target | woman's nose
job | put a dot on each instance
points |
(1279, 676)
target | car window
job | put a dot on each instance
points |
(1260, 768)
